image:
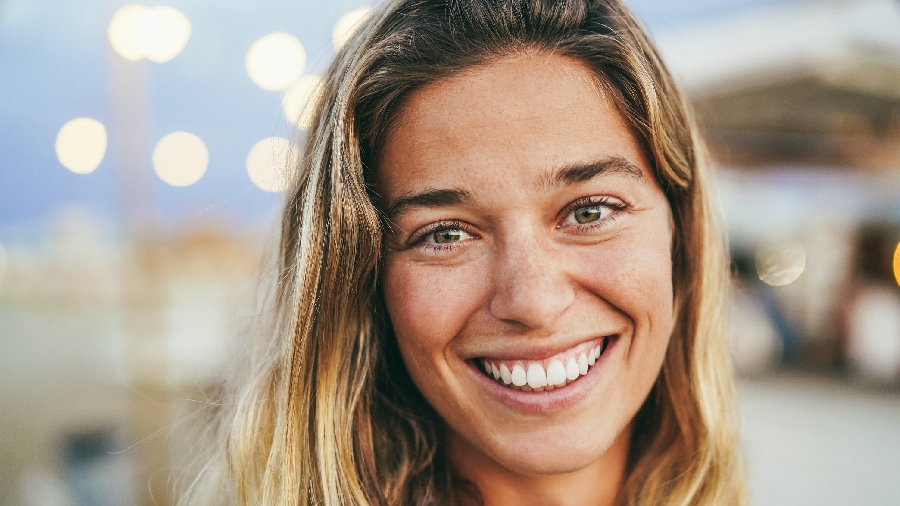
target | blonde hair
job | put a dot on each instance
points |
(318, 420)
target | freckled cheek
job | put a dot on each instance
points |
(633, 274)
(428, 305)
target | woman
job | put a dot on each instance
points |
(501, 282)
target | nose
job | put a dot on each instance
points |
(531, 287)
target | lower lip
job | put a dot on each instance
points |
(549, 400)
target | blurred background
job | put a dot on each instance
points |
(141, 149)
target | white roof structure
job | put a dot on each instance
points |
(830, 39)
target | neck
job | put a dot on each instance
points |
(597, 484)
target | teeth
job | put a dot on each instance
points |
(556, 373)
(532, 377)
(518, 375)
(505, 375)
(572, 372)
(537, 378)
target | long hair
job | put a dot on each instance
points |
(326, 414)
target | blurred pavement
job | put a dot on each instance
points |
(814, 440)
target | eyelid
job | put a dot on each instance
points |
(615, 204)
(419, 236)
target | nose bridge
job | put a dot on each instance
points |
(531, 286)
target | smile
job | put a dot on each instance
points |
(549, 374)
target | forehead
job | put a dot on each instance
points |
(512, 116)
(499, 85)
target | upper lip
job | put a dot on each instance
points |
(534, 351)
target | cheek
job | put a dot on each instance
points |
(647, 271)
(647, 274)
(428, 306)
(634, 275)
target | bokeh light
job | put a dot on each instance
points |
(780, 263)
(299, 100)
(125, 29)
(158, 33)
(347, 24)
(180, 159)
(897, 264)
(275, 61)
(81, 145)
(268, 164)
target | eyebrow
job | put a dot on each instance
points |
(566, 175)
(581, 172)
(428, 199)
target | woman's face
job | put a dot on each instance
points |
(528, 237)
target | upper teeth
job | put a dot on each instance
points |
(530, 375)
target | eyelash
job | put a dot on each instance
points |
(617, 207)
(429, 230)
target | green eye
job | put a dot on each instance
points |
(588, 214)
(447, 236)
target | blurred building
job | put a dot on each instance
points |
(108, 352)
(800, 105)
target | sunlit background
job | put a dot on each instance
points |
(144, 149)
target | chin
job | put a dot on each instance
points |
(555, 450)
(552, 461)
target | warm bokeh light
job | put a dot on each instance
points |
(180, 159)
(169, 31)
(299, 100)
(275, 61)
(346, 25)
(268, 163)
(125, 31)
(897, 264)
(158, 33)
(81, 145)
(780, 263)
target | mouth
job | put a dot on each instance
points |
(551, 373)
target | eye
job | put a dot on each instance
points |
(588, 214)
(441, 236)
(592, 212)
(447, 236)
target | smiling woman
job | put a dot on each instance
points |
(572, 258)
(502, 283)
